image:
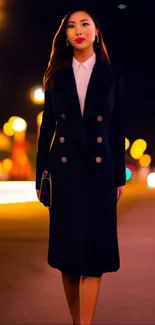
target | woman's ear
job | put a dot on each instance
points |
(96, 30)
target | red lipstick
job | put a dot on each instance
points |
(79, 40)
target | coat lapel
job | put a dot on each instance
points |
(99, 83)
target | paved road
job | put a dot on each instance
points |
(31, 291)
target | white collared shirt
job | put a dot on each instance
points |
(82, 73)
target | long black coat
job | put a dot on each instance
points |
(87, 163)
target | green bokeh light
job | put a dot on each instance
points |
(128, 173)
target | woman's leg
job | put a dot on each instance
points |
(89, 291)
(71, 287)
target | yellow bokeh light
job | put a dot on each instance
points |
(140, 143)
(138, 148)
(12, 118)
(145, 160)
(136, 153)
(39, 118)
(19, 124)
(5, 142)
(127, 143)
(7, 165)
(7, 129)
(37, 95)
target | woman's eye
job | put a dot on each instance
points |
(85, 24)
(70, 26)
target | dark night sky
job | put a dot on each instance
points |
(25, 44)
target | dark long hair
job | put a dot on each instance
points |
(61, 54)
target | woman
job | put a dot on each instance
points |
(83, 118)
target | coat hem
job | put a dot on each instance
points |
(84, 273)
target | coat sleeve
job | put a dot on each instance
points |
(47, 130)
(117, 133)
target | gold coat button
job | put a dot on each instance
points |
(99, 118)
(62, 139)
(98, 159)
(63, 116)
(99, 139)
(64, 159)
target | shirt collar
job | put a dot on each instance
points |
(87, 64)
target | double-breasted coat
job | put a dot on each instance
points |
(87, 163)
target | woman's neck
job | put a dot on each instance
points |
(83, 55)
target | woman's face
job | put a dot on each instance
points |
(81, 30)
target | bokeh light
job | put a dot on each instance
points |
(19, 124)
(5, 142)
(39, 118)
(37, 95)
(145, 160)
(3, 15)
(12, 118)
(151, 180)
(128, 173)
(127, 143)
(137, 149)
(121, 6)
(6, 165)
(8, 130)
(131, 167)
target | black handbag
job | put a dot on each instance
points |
(46, 189)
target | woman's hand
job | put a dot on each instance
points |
(38, 194)
(120, 190)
